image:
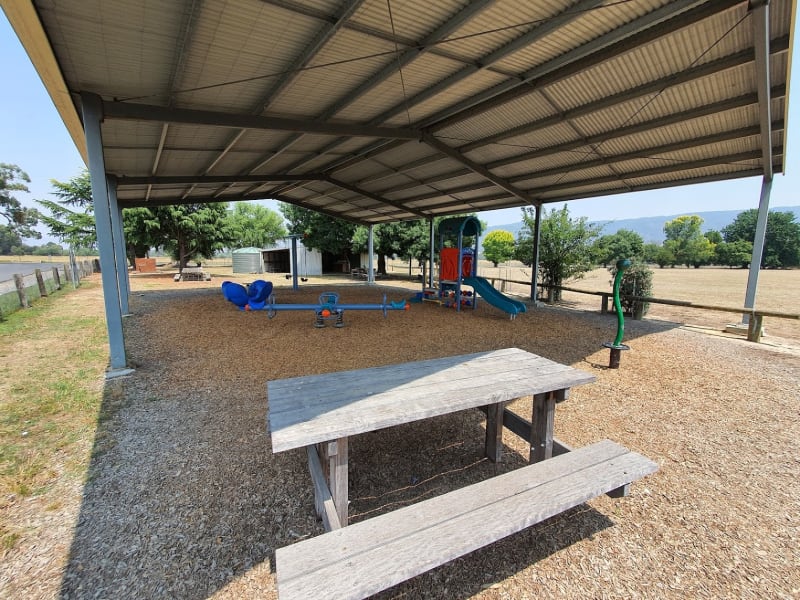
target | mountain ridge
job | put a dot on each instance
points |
(652, 228)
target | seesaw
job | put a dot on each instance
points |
(259, 296)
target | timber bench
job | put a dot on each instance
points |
(364, 558)
(320, 412)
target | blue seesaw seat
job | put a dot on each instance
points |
(253, 297)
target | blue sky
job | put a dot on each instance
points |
(33, 137)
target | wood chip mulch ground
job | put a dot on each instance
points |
(184, 498)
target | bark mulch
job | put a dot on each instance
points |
(184, 498)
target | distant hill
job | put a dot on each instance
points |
(652, 228)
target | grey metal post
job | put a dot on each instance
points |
(537, 229)
(92, 117)
(294, 262)
(370, 251)
(120, 256)
(758, 249)
(433, 249)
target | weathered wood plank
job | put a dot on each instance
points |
(362, 559)
(341, 404)
(338, 476)
(494, 432)
(412, 374)
(330, 394)
(309, 426)
(323, 500)
(543, 420)
(522, 428)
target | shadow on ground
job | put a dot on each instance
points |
(184, 497)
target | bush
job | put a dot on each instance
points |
(636, 281)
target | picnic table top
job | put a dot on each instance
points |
(318, 408)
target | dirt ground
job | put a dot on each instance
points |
(185, 499)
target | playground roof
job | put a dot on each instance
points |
(384, 110)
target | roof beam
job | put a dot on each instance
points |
(396, 63)
(311, 49)
(644, 126)
(708, 109)
(366, 30)
(362, 192)
(145, 112)
(484, 62)
(479, 169)
(626, 189)
(211, 179)
(663, 170)
(649, 153)
(237, 198)
(761, 43)
(561, 67)
(653, 87)
(615, 43)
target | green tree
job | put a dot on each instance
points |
(664, 257)
(255, 225)
(782, 239)
(191, 231)
(686, 241)
(564, 245)
(9, 239)
(71, 218)
(391, 239)
(733, 254)
(320, 231)
(19, 218)
(713, 236)
(608, 249)
(48, 249)
(142, 232)
(498, 246)
(650, 251)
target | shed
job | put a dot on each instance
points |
(279, 259)
(248, 260)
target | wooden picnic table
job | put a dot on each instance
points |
(320, 412)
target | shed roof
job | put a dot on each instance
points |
(376, 110)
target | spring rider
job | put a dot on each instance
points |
(617, 346)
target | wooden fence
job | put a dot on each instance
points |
(754, 325)
(19, 291)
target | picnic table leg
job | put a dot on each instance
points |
(544, 410)
(335, 465)
(494, 431)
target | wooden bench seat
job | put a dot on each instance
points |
(364, 558)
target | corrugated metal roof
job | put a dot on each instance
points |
(436, 108)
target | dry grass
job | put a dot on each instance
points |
(184, 498)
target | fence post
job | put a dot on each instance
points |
(23, 297)
(56, 278)
(40, 283)
(754, 327)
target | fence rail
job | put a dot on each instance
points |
(22, 289)
(754, 326)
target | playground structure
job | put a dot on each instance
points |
(258, 296)
(459, 266)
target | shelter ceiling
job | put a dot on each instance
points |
(376, 111)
